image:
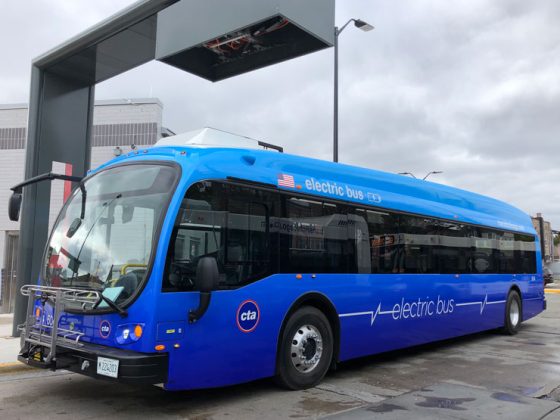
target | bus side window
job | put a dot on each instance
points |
(247, 244)
(304, 236)
(383, 230)
(524, 253)
(358, 234)
(198, 232)
(483, 258)
(340, 248)
(454, 249)
(315, 237)
(419, 236)
(506, 246)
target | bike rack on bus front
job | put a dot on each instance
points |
(37, 331)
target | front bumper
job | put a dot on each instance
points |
(134, 367)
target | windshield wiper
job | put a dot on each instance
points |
(84, 195)
(122, 312)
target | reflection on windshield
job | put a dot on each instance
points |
(111, 248)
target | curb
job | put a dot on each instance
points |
(13, 367)
(553, 291)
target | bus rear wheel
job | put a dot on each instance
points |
(306, 349)
(513, 314)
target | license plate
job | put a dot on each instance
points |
(107, 367)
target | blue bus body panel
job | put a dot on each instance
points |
(375, 316)
(377, 313)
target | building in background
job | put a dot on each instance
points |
(116, 124)
(544, 230)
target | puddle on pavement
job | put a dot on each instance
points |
(448, 403)
(504, 396)
(385, 408)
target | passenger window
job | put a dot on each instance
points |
(315, 238)
(383, 230)
(525, 253)
(453, 251)
(358, 233)
(420, 236)
(247, 256)
(305, 235)
(483, 258)
(506, 248)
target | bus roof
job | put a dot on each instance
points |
(338, 181)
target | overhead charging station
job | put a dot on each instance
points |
(212, 39)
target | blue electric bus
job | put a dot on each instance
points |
(196, 267)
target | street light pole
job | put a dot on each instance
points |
(335, 121)
(364, 26)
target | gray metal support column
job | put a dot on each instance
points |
(59, 129)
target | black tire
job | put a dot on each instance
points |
(514, 313)
(305, 322)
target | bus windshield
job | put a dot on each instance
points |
(104, 239)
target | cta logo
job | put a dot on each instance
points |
(104, 329)
(248, 315)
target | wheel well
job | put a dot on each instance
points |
(322, 303)
(516, 288)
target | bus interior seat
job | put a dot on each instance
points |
(129, 282)
(234, 267)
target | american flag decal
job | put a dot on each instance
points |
(286, 181)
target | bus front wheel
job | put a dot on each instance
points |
(306, 349)
(513, 314)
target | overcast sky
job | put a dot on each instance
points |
(470, 88)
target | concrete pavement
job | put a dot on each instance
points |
(9, 346)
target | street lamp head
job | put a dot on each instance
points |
(432, 173)
(364, 26)
(407, 173)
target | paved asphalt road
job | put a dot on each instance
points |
(483, 376)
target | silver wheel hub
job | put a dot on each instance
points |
(514, 312)
(307, 348)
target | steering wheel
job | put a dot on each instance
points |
(182, 275)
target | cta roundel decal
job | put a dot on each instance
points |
(104, 329)
(248, 315)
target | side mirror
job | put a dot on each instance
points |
(207, 278)
(207, 274)
(14, 206)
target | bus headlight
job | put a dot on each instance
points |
(129, 333)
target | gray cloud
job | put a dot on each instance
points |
(471, 89)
